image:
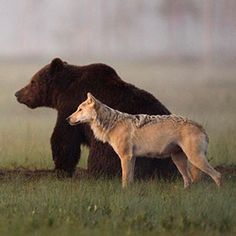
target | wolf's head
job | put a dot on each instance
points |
(86, 111)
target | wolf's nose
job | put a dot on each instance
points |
(68, 118)
(17, 93)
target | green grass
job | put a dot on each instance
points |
(72, 207)
(46, 205)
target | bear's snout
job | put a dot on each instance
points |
(17, 94)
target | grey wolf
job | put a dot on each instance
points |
(157, 136)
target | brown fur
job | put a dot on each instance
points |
(63, 87)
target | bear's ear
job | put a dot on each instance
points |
(56, 65)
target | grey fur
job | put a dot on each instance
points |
(108, 117)
(154, 136)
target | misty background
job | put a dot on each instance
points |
(182, 51)
(179, 30)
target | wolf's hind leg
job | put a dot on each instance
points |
(200, 161)
(195, 149)
(194, 173)
(180, 161)
(127, 165)
(197, 157)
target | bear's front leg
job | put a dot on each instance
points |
(65, 144)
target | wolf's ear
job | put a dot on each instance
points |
(91, 98)
(89, 95)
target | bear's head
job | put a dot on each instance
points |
(41, 89)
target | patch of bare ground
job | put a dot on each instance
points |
(228, 172)
(38, 173)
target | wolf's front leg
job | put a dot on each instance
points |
(127, 166)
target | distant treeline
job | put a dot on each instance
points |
(171, 29)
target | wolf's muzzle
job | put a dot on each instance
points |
(72, 123)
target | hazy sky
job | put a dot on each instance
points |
(117, 28)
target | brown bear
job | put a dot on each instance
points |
(63, 87)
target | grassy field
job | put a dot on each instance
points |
(36, 205)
